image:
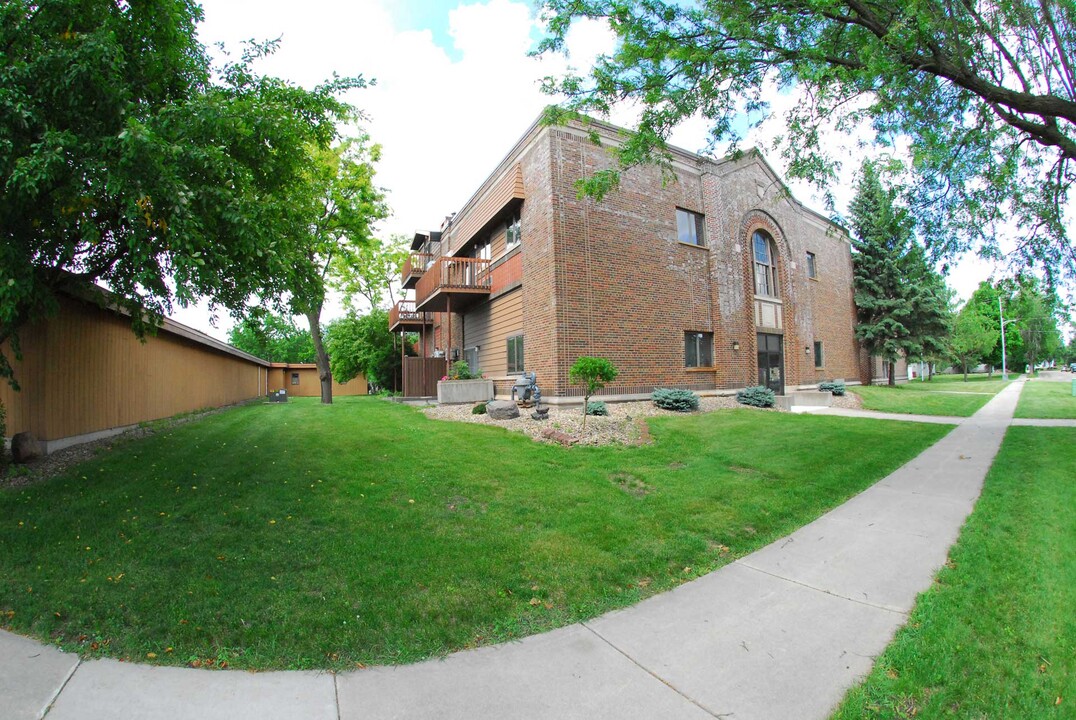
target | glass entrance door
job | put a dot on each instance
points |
(771, 362)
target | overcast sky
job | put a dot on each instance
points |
(455, 90)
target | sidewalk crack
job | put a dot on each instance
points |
(741, 563)
(52, 701)
(654, 675)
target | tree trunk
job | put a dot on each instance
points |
(965, 372)
(892, 372)
(324, 374)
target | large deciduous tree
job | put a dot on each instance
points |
(971, 338)
(374, 271)
(127, 160)
(335, 210)
(984, 91)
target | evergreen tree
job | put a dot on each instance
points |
(884, 293)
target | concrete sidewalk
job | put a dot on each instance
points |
(780, 633)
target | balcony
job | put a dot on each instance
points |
(414, 267)
(403, 318)
(451, 284)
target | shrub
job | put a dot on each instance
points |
(758, 396)
(479, 409)
(678, 400)
(593, 373)
(597, 408)
(836, 386)
(460, 370)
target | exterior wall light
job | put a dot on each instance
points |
(736, 345)
(806, 349)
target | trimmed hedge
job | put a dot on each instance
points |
(758, 396)
(678, 400)
(836, 387)
(479, 409)
(597, 408)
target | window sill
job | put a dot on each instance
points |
(691, 245)
(700, 369)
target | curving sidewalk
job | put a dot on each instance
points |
(782, 632)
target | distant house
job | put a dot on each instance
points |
(85, 375)
(710, 277)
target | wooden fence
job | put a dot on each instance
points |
(420, 376)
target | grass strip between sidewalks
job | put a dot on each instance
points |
(995, 637)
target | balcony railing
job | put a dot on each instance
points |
(414, 267)
(459, 280)
(402, 316)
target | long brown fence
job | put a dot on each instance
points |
(420, 375)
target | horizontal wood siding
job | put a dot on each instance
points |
(489, 326)
(507, 188)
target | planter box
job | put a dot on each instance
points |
(450, 392)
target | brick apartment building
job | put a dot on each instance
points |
(713, 279)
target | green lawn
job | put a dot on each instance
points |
(996, 635)
(1047, 400)
(944, 395)
(302, 535)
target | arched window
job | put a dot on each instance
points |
(765, 265)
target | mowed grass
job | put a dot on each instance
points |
(310, 536)
(944, 395)
(996, 635)
(1048, 400)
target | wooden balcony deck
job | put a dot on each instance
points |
(453, 284)
(414, 267)
(404, 318)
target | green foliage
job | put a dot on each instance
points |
(363, 345)
(372, 270)
(479, 409)
(834, 386)
(758, 396)
(983, 102)
(902, 305)
(460, 370)
(592, 373)
(126, 159)
(272, 337)
(597, 408)
(677, 400)
(1037, 312)
(971, 338)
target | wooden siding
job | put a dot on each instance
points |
(489, 326)
(309, 384)
(85, 371)
(508, 188)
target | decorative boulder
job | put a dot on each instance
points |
(25, 448)
(540, 413)
(502, 410)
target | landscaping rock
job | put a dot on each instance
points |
(502, 410)
(25, 448)
(540, 413)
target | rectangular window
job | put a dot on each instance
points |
(295, 378)
(698, 349)
(811, 272)
(689, 227)
(818, 353)
(515, 354)
(515, 234)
